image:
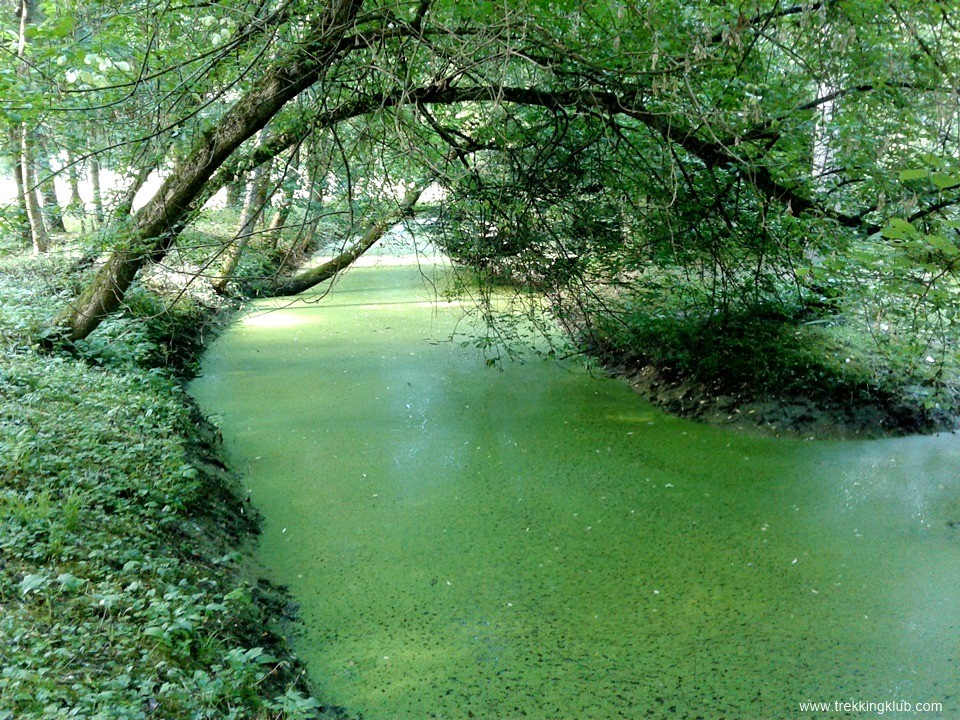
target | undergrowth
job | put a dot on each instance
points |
(764, 351)
(121, 591)
(780, 352)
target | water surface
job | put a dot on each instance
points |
(535, 542)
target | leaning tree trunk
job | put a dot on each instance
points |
(253, 206)
(314, 276)
(126, 204)
(151, 236)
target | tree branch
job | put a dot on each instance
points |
(767, 17)
(314, 276)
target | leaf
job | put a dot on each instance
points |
(70, 582)
(239, 595)
(180, 626)
(898, 229)
(32, 583)
(945, 181)
(914, 174)
(942, 244)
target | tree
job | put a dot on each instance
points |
(254, 205)
(373, 233)
(157, 224)
(287, 189)
(53, 214)
(16, 164)
(26, 141)
(698, 121)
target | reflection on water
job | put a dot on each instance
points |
(539, 543)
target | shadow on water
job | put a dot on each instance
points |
(536, 542)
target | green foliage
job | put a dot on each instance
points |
(841, 340)
(539, 212)
(678, 223)
(902, 298)
(152, 331)
(121, 598)
(757, 351)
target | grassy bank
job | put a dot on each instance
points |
(122, 594)
(780, 367)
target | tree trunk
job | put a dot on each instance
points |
(38, 232)
(75, 205)
(315, 276)
(126, 204)
(151, 235)
(94, 166)
(52, 212)
(286, 192)
(823, 151)
(234, 195)
(279, 219)
(24, 220)
(253, 207)
(317, 167)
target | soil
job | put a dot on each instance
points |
(869, 416)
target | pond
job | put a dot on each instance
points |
(533, 541)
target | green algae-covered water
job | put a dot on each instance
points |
(540, 543)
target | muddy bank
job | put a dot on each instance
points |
(864, 416)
